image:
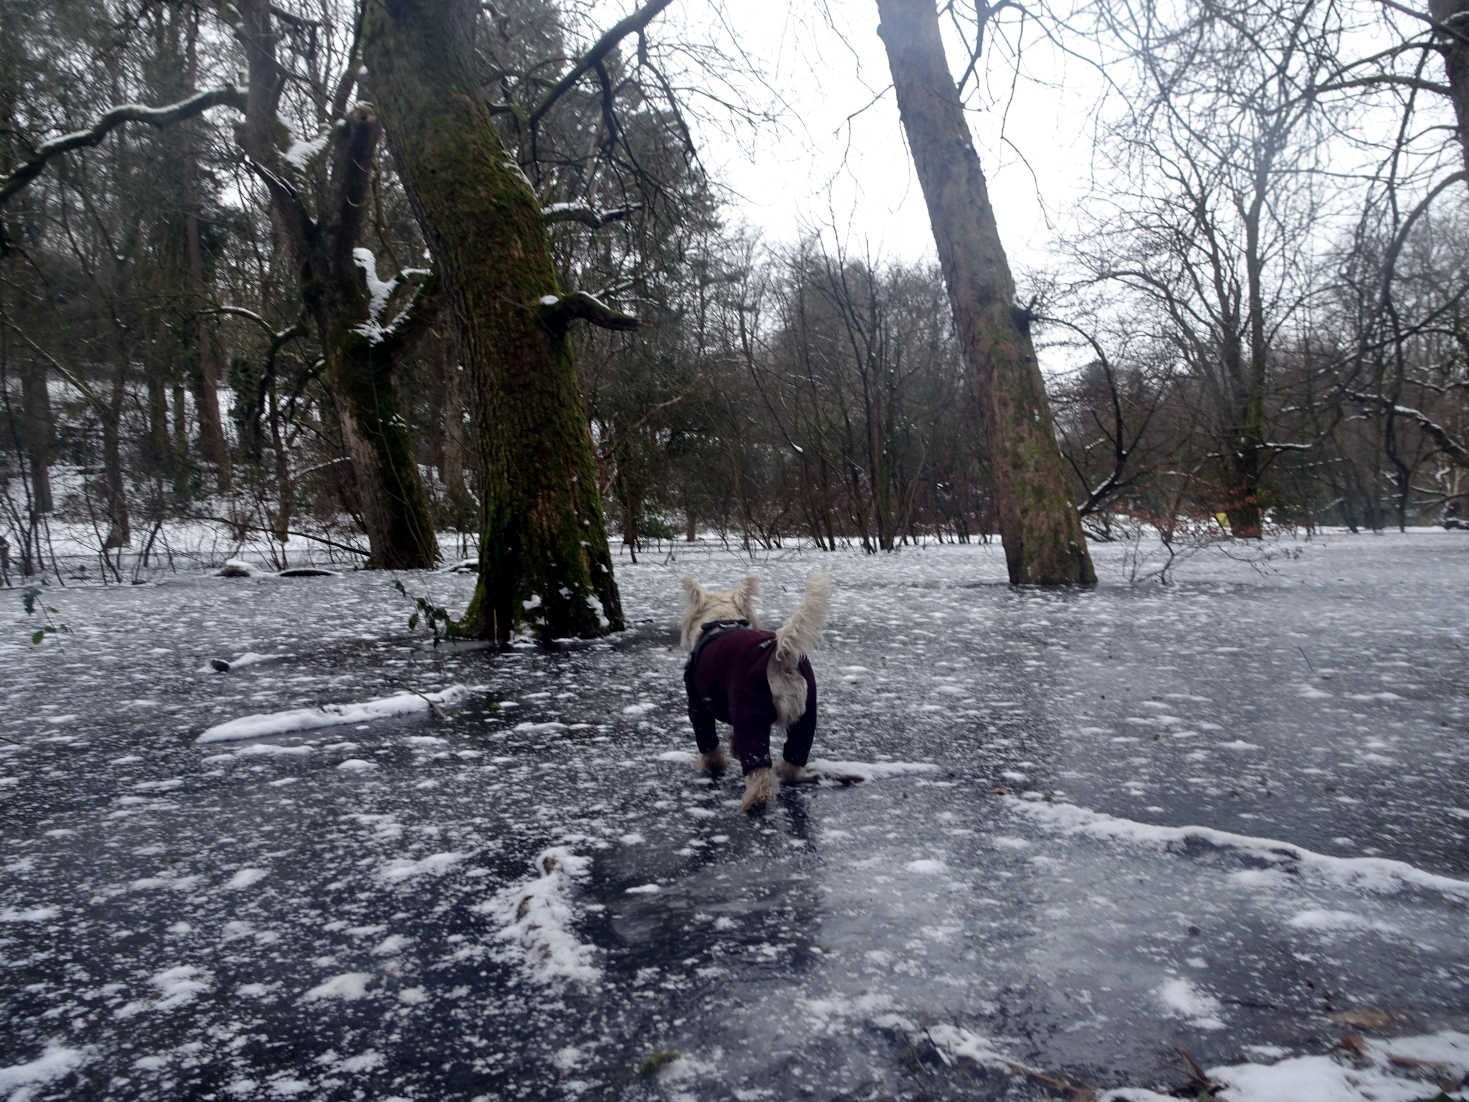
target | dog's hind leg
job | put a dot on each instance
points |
(800, 732)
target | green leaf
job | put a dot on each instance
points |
(413, 621)
(656, 1062)
(37, 636)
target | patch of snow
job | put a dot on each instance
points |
(1375, 874)
(303, 149)
(349, 985)
(32, 914)
(536, 920)
(55, 1061)
(1384, 1074)
(1325, 920)
(330, 715)
(1184, 999)
(246, 878)
(927, 866)
(435, 864)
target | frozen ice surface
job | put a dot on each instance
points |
(1229, 814)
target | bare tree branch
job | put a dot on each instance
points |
(228, 96)
(596, 55)
(587, 216)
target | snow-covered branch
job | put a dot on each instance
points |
(586, 215)
(378, 328)
(197, 104)
(557, 313)
(277, 336)
(1440, 435)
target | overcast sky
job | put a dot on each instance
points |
(839, 157)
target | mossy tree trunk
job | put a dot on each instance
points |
(360, 366)
(544, 562)
(1040, 527)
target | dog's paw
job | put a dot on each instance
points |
(711, 763)
(759, 790)
(795, 774)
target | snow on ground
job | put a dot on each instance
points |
(1229, 814)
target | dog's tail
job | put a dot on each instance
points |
(693, 592)
(801, 633)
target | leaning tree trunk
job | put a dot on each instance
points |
(1041, 529)
(1452, 43)
(544, 561)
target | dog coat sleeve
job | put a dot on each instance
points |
(700, 717)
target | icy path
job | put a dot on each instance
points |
(1229, 815)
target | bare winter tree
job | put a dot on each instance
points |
(1226, 144)
(1042, 534)
(318, 206)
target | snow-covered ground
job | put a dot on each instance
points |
(1229, 815)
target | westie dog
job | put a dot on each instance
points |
(752, 679)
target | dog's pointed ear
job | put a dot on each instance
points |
(693, 592)
(743, 596)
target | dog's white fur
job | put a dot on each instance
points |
(794, 639)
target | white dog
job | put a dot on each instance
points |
(752, 679)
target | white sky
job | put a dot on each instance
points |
(839, 157)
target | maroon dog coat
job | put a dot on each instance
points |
(726, 680)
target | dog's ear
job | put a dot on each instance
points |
(743, 596)
(693, 592)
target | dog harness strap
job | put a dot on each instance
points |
(707, 634)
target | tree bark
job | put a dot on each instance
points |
(205, 359)
(207, 354)
(359, 369)
(544, 561)
(36, 432)
(1453, 40)
(1043, 540)
(113, 484)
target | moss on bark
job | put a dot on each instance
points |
(544, 562)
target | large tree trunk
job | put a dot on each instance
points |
(358, 370)
(450, 441)
(544, 561)
(395, 509)
(1044, 543)
(113, 484)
